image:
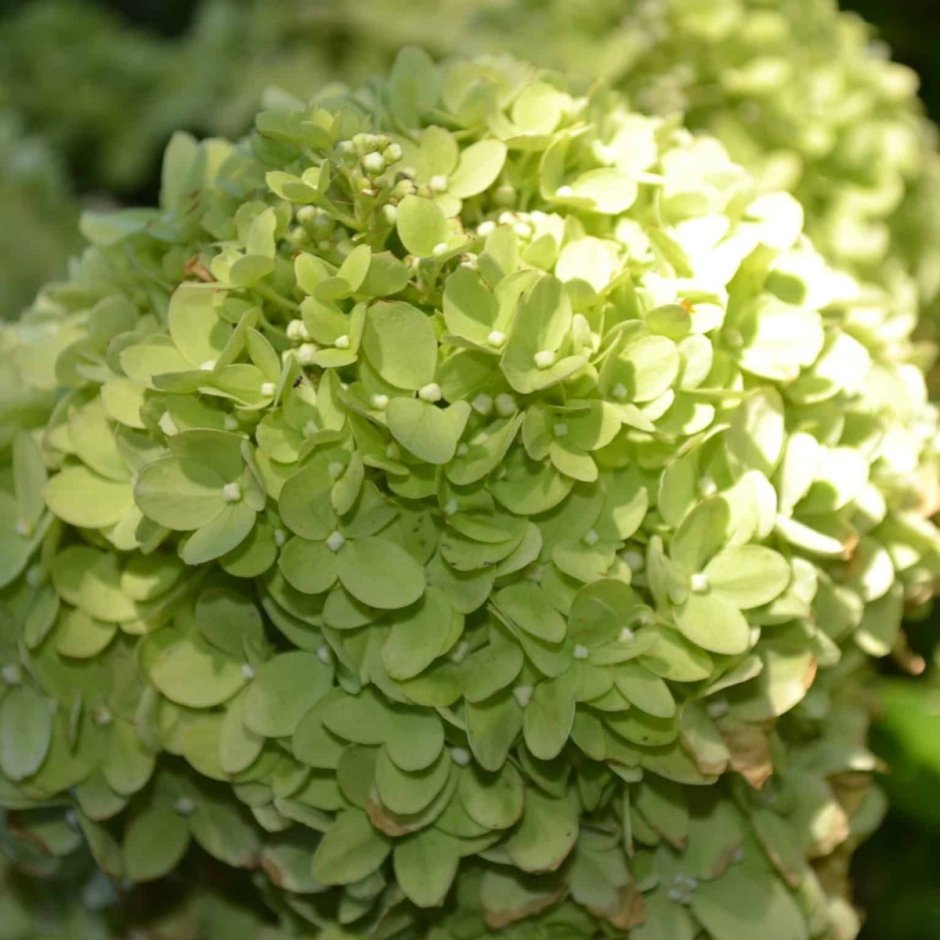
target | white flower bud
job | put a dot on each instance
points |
(544, 358)
(699, 582)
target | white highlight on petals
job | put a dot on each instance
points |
(496, 338)
(379, 401)
(523, 694)
(268, 389)
(590, 537)
(232, 492)
(581, 652)
(342, 342)
(248, 671)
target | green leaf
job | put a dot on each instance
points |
(238, 747)
(714, 624)
(400, 342)
(604, 190)
(748, 904)
(419, 635)
(542, 324)
(413, 85)
(546, 835)
(748, 575)
(380, 573)
(222, 534)
(29, 477)
(421, 225)
(428, 432)
(526, 605)
(350, 850)
(224, 832)
(310, 567)
(305, 503)
(414, 739)
(84, 499)
(478, 168)
(756, 437)
(155, 842)
(82, 637)
(492, 728)
(470, 308)
(407, 793)
(194, 325)
(701, 534)
(283, 690)
(549, 717)
(128, 764)
(493, 800)
(25, 731)
(644, 690)
(178, 498)
(425, 866)
(189, 672)
(539, 108)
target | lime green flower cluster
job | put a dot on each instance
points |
(467, 507)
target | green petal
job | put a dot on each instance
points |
(283, 690)
(714, 624)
